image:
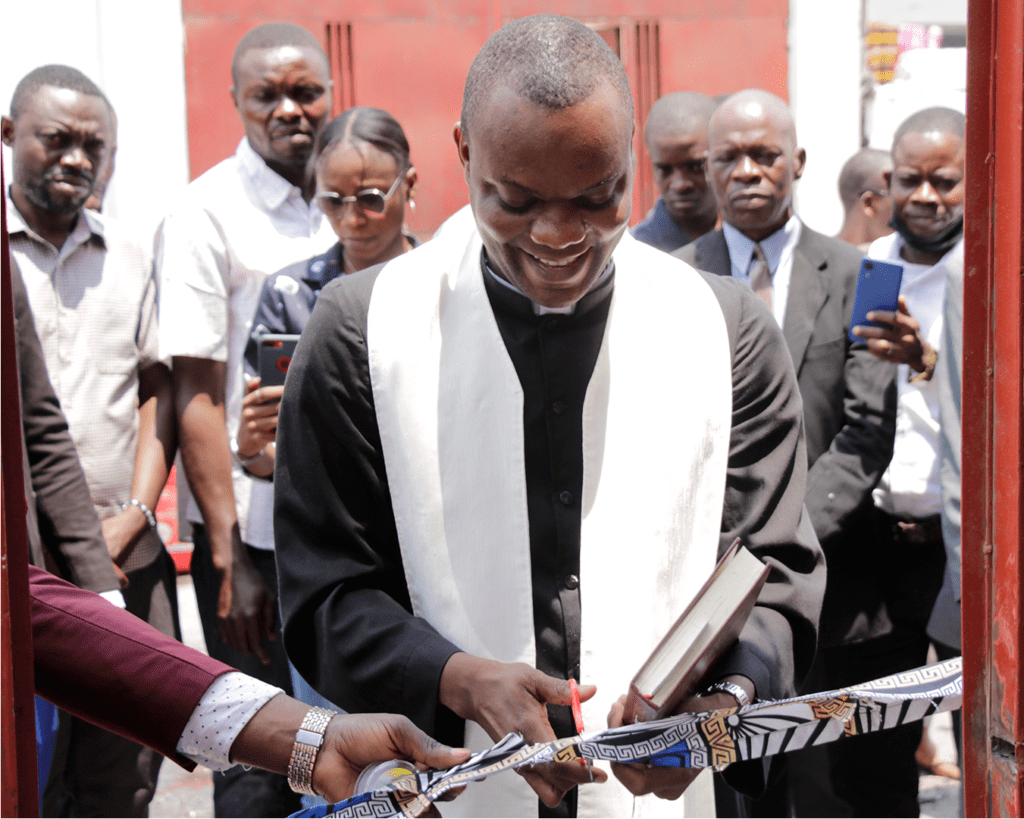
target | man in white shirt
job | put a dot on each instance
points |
(926, 185)
(245, 218)
(92, 292)
(809, 282)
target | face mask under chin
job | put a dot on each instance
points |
(941, 242)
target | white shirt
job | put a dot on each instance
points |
(910, 486)
(219, 717)
(231, 227)
(94, 306)
(778, 252)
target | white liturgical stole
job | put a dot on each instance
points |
(656, 426)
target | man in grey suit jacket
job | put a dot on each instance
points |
(809, 281)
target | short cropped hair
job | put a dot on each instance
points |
(682, 112)
(942, 120)
(553, 61)
(274, 35)
(366, 125)
(861, 172)
(56, 76)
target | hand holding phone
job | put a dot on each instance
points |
(274, 355)
(257, 427)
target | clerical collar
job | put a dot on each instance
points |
(540, 309)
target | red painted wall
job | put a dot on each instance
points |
(410, 57)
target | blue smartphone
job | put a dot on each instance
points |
(878, 288)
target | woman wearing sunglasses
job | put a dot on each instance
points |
(364, 181)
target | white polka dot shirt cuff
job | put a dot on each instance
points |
(222, 713)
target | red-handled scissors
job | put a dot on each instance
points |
(577, 715)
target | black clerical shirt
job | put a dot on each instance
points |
(346, 609)
(554, 356)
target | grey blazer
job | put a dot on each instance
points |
(849, 399)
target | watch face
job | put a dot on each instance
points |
(309, 737)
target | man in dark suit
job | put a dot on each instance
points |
(809, 281)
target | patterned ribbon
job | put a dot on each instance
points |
(711, 738)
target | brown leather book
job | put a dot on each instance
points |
(698, 639)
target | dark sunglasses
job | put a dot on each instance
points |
(371, 201)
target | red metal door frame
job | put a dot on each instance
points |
(993, 569)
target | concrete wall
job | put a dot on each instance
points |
(825, 70)
(916, 11)
(134, 52)
(925, 77)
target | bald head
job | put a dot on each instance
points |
(937, 120)
(864, 171)
(864, 190)
(753, 107)
(754, 161)
(683, 112)
(552, 61)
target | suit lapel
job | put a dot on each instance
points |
(807, 293)
(807, 290)
(712, 254)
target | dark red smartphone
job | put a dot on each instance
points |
(275, 354)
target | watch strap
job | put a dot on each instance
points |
(240, 459)
(308, 740)
(726, 687)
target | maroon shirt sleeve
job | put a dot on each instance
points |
(103, 664)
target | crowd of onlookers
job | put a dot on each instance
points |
(847, 447)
